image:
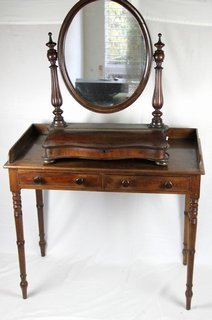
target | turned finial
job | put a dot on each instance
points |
(51, 43)
(51, 53)
(159, 53)
(159, 44)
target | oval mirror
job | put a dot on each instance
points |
(104, 54)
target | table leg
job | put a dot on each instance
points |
(20, 240)
(39, 204)
(186, 227)
(193, 212)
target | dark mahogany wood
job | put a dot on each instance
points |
(56, 97)
(186, 226)
(124, 151)
(193, 212)
(107, 142)
(181, 176)
(39, 205)
(157, 100)
(20, 240)
(147, 142)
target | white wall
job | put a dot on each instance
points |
(98, 224)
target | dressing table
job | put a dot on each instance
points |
(141, 158)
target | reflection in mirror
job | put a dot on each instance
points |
(107, 61)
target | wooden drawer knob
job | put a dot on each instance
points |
(125, 183)
(79, 181)
(38, 180)
(168, 185)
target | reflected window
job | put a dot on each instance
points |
(123, 45)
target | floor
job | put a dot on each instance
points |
(61, 289)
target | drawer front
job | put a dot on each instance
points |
(146, 184)
(58, 180)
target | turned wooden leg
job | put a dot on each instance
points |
(193, 212)
(186, 227)
(39, 204)
(20, 240)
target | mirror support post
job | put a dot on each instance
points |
(56, 98)
(157, 100)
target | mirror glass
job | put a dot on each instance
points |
(105, 55)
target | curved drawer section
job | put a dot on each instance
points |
(57, 180)
(146, 184)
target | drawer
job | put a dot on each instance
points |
(57, 180)
(146, 183)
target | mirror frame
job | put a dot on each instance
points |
(62, 63)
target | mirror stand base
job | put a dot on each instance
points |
(107, 142)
